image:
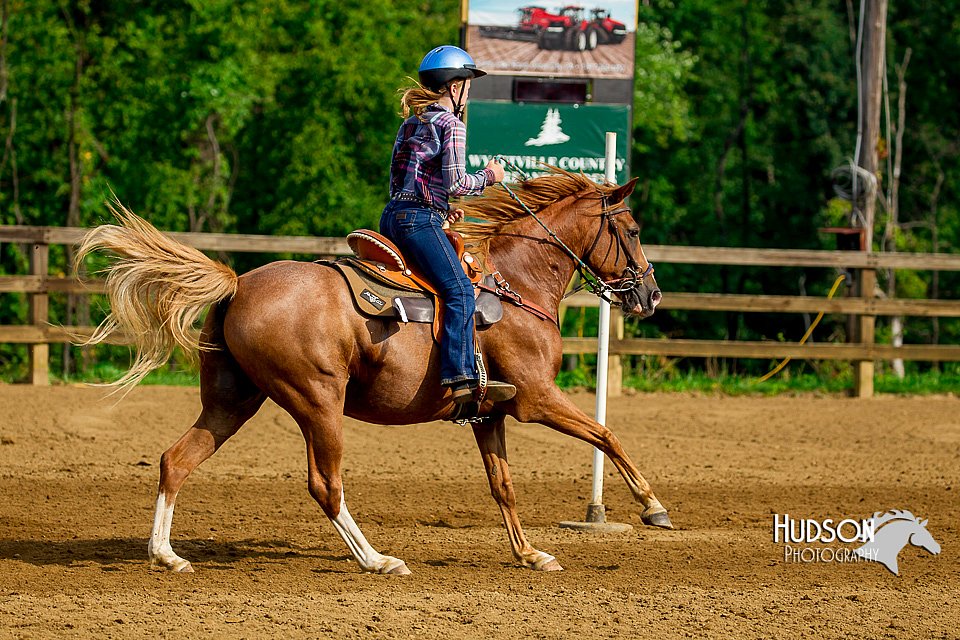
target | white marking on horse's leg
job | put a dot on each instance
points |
(367, 557)
(543, 561)
(158, 549)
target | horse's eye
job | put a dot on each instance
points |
(634, 233)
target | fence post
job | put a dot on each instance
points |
(866, 325)
(39, 313)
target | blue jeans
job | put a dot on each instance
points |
(418, 232)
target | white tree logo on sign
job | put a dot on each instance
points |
(550, 131)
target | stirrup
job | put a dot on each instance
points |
(463, 394)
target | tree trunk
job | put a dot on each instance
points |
(78, 305)
(935, 248)
(874, 39)
(893, 206)
(9, 150)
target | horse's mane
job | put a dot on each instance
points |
(880, 519)
(495, 210)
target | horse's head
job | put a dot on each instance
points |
(586, 222)
(892, 531)
(922, 538)
(615, 253)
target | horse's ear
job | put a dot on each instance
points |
(924, 523)
(622, 193)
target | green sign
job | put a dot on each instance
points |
(568, 136)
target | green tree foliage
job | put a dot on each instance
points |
(278, 116)
(770, 98)
(213, 114)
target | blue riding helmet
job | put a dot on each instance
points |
(447, 63)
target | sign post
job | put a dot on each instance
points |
(558, 79)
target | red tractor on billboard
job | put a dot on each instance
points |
(610, 31)
(566, 29)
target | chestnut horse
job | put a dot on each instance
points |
(289, 331)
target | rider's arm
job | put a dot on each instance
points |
(453, 158)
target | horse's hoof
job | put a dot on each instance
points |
(399, 570)
(544, 562)
(175, 566)
(657, 519)
(553, 565)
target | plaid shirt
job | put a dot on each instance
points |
(429, 160)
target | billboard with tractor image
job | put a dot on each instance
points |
(592, 39)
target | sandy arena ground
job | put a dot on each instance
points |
(78, 475)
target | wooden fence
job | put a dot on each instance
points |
(38, 285)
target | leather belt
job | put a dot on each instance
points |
(405, 196)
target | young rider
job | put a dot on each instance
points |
(428, 166)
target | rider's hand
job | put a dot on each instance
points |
(454, 216)
(497, 169)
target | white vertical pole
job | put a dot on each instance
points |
(603, 355)
(596, 519)
(603, 359)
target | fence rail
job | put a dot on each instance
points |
(38, 285)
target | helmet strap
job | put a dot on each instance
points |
(458, 105)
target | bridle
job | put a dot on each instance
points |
(633, 275)
(631, 278)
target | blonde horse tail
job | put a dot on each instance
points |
(157, 287)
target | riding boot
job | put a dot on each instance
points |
(499, 391)
(496, 391)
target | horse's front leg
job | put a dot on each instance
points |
(553, 409)
(493, 449)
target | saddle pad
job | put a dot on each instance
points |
(375, 299)
(489, 309)
(378, 272)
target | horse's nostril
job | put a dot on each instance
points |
(655, 297)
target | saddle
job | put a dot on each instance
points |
(385, 286)
(373, 248)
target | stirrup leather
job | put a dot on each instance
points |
(468, 412)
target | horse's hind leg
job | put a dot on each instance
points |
(491, 440)
(229, 399)
(319, 412)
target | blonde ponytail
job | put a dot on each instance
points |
(417, 99)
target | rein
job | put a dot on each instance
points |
(631, 278)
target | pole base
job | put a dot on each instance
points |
(596, 522)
